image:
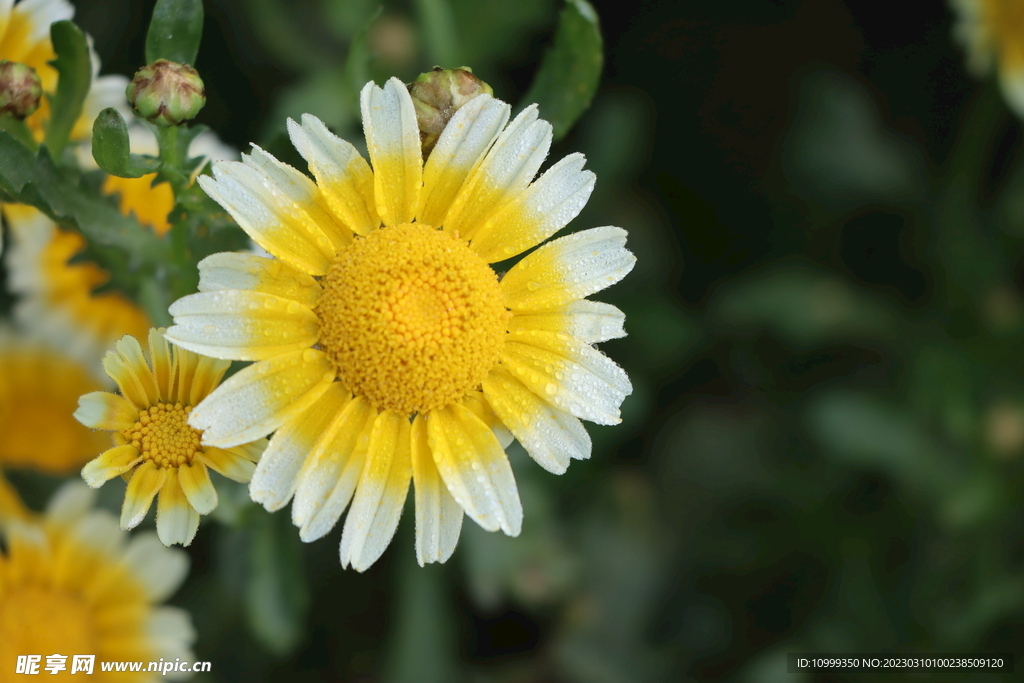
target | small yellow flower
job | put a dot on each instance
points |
(992, 31)
(388, 349)
(72, 583)
(154, 447)
(39, 389)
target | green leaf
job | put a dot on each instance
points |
(111, 148)
(175, 31)
(75, 69)
(357, 66)
(276, 597)
(568, 77)
(33, 179)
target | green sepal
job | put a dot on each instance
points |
(175, 31)
(75, 69)
(112, 151)
(569, 74)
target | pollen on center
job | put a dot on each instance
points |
(411, 318)
(163, 435)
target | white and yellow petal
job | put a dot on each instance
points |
(269, 216)
(567, 269)
(393, 141)
(302, 192)
(254, 273)
(588, 321)
(342, 174)
(567, 373)
(276, 477)
(242, 325)
(233, 463)
(146, 482)
(109, 464)
(475, 468)
(438, 514)
(537, 213)
(103, 410)
(194, 479)
(176, 519)
(381, 493)
(262, 397)
(551, 436)
(459, 149)
(507, 169)
(329, 476)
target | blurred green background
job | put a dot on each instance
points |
(823, 449)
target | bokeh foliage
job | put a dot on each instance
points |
(823, 449)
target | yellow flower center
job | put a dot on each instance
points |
(411, 318)
(36, 619)
(162, 435)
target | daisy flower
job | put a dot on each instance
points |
(72, 583)
(992, 31)
(154, 447)
(387, 346)
(39, 389)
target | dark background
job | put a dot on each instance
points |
(822, 451)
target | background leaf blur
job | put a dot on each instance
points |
(824, 448)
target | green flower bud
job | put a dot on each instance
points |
(437, 95)
(20, 89)
(166, 93)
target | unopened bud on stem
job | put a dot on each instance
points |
(437, 95)
(166, 93)
(20, 89)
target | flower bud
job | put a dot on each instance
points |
(166, 93)
(20, 89)
(437, 95)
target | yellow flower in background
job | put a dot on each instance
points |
(149, 203)
(56, 299)
(992, 31)
(25, 38)
(72, 583)
(388, 348)
(154, 447)
(39, 389)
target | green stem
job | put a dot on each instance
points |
(423, 644)
(173, 158)
(20, 131)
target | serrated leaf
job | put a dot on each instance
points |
(569, 74)
(175, 31)
(75, 69)
(33, 179)
(112, 150)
